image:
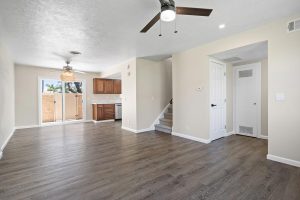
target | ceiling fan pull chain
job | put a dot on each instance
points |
(160, 28)
(176, 26)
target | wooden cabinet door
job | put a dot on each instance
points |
(100, 112)
(117, 87)
(99, 86)
(109, 86)
(109, 111)
(95, 113)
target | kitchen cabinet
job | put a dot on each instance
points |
(103, 112)
(117, 87)
(99, 86)
(107, 86)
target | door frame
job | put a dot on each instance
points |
(258, 71)
(210, 97)
(40, 104)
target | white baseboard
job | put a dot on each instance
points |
(52, 124)
(129, 129)
(283, 160)
(145, 130)
(26, 127)
(265, 137)
(6, 142)
(137, 131)
(205, 141)
(103, 121)
(229, 133)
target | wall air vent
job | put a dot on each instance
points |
(294, 26)
(232, 59)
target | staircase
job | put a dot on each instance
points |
(166, 123)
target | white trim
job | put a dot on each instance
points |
(6, 142)
(161, 115)
(26, 127)
(205, 141)
(283, 160)
(103, 121)
(259, 108)
(137, 131)
(145, 130)
(265, 137)
(52, 124)
(129, 129)
(229, 133)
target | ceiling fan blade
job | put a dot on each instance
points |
(151, 23)
(193, 11)
(81, 72)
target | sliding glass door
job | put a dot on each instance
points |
(61, 101)
(73, 101)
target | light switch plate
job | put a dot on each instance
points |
(280, 97)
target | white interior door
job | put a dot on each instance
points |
(247, 99)
(217, 100)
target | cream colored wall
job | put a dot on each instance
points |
(146, 90)
(264, 97)
(229, 97)
(7, 106)
(26, 92)
(154, 90)
(191, 69)
(129, 108)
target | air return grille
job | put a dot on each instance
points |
(294, 25)
(246, 130)
(246, 73)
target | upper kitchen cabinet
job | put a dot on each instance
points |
(99, 85)
(117, 87)
(107, 86)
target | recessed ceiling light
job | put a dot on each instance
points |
(222, 26)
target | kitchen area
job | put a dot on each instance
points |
(108, 107)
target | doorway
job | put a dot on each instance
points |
(217, 99)
(247, 99)
(246, 89)
(61, 102)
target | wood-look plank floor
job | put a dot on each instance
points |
(101, 161)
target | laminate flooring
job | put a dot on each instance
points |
(102, 161)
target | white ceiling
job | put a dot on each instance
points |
(107, 31)
(250, 53)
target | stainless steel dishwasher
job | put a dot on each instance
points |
(118, 111)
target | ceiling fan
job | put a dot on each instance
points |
(67, 74)
(169, 11)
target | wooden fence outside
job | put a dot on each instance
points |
(52, 107)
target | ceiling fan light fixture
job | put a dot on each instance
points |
(67, 75)
(168, 13)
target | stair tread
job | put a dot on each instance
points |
(166, 120)
(163, 126)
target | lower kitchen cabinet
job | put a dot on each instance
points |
(103, 112)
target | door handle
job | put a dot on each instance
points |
(213, 105)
